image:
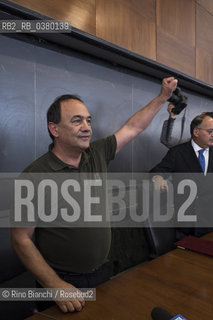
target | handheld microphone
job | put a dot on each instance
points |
(161, 314)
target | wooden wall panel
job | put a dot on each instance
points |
(176, 34)
(81, 13)
(129, 24)
(204, 45)
(162, 30)
(206, 4)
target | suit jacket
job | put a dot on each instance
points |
(182, 158)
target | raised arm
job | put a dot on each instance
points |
(35, 263)
(141, 119)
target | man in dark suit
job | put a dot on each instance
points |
(194, 156)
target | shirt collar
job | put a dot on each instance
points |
(56, 164)
(196, 147)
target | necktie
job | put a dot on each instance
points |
(201, 159)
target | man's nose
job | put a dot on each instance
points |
(85, 125)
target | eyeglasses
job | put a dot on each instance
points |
(210, 131)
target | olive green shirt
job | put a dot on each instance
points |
(78, 250)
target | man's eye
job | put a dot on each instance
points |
(89, 121)
(76, 121)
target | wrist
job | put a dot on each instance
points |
(52, 281)
(162, 98)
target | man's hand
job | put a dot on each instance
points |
(160, 184)
(171, 114)
(70, 305)
(168, 86)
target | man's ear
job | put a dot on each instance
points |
(53, 129)
(196, 132)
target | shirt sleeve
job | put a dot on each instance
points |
(166, 134)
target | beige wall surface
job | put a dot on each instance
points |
(176, 33)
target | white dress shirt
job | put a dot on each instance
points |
(196, 148)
